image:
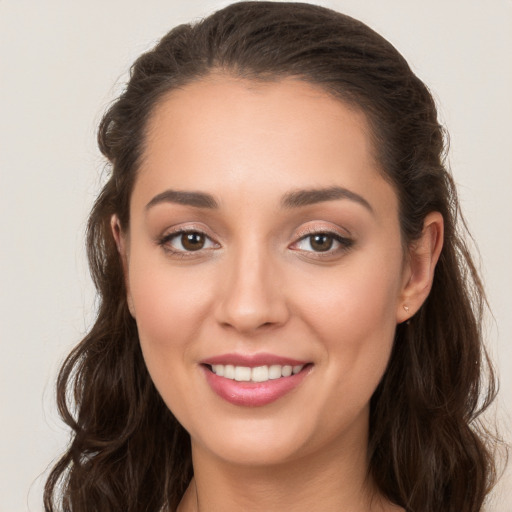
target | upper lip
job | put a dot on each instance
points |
(253, 360)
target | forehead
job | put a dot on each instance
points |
(235, 109)
(231, 135)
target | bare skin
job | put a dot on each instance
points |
(255, 490)
(260, 281)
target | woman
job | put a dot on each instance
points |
(289, 316)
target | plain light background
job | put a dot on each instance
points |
(61, 63)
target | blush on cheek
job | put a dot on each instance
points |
(168, 310)
(152, 288)
(362, 314)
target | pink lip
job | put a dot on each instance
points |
(253, 394)
(252, 360)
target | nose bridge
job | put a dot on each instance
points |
(251, 293)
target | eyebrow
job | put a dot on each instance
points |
(196, 199)
(299, 198)
(294, 199)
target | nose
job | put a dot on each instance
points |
(252, 296)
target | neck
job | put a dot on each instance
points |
(325, 480)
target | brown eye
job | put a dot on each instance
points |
(192, 241)
(321, 242)
(331, 244)
(183, 242)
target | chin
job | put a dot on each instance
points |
(256, 452)
(273, 440)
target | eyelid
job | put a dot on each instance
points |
(317, 227)
(344, 241)
(184, 228)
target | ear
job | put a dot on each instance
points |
(419, 270)
(122, 247)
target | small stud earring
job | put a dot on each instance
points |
(406, 308)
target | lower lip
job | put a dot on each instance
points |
(253, 394)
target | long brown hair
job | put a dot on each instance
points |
(427, 451)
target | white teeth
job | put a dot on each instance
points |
(286, 371)
(229, 371)
(242, 373)
(256, 374)
(218, 369)
(259, 374)
(274, 371)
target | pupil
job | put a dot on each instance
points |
(321, 242)
(192, 241)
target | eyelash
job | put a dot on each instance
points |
(165, 240)
(344, 243)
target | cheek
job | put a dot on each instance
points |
(357, 329)
(169, 307)
(355, 322)
(169, 310)
(358, 301)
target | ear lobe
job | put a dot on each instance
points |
(422, 259)
(121, 243)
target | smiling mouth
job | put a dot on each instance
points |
(254, 374)
(253, 385)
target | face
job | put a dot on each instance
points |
(264, 268)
